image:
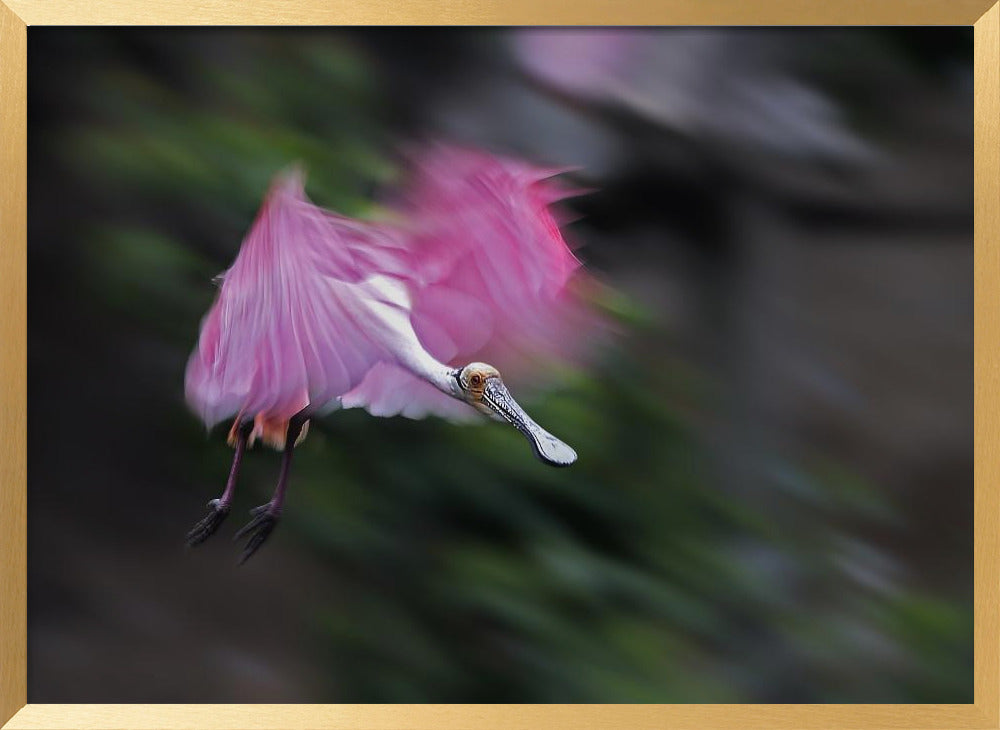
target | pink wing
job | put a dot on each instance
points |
(289, 328)
(493, 279)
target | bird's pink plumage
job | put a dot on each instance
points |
(487, 270)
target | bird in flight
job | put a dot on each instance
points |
(320, 311)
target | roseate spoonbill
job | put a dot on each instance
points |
(319, 311)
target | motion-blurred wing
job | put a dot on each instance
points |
(493, 279)
(493, 268)
(293, 324)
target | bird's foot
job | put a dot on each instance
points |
(217, 513)
(265, 518)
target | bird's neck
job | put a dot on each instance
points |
(442, 377)
(424, 366)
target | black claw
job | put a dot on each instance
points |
(259, 529)
(217, 512)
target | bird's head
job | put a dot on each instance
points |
(480, 385)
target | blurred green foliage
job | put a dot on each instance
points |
(464, 569)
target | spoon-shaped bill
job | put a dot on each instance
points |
(546, 446)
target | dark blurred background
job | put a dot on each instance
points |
(774, 495)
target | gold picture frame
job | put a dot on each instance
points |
(17, 15)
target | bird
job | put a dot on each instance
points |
(319, 311)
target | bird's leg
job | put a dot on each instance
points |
(218, 509)
(266, 516)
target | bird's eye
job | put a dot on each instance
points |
(476, 380)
